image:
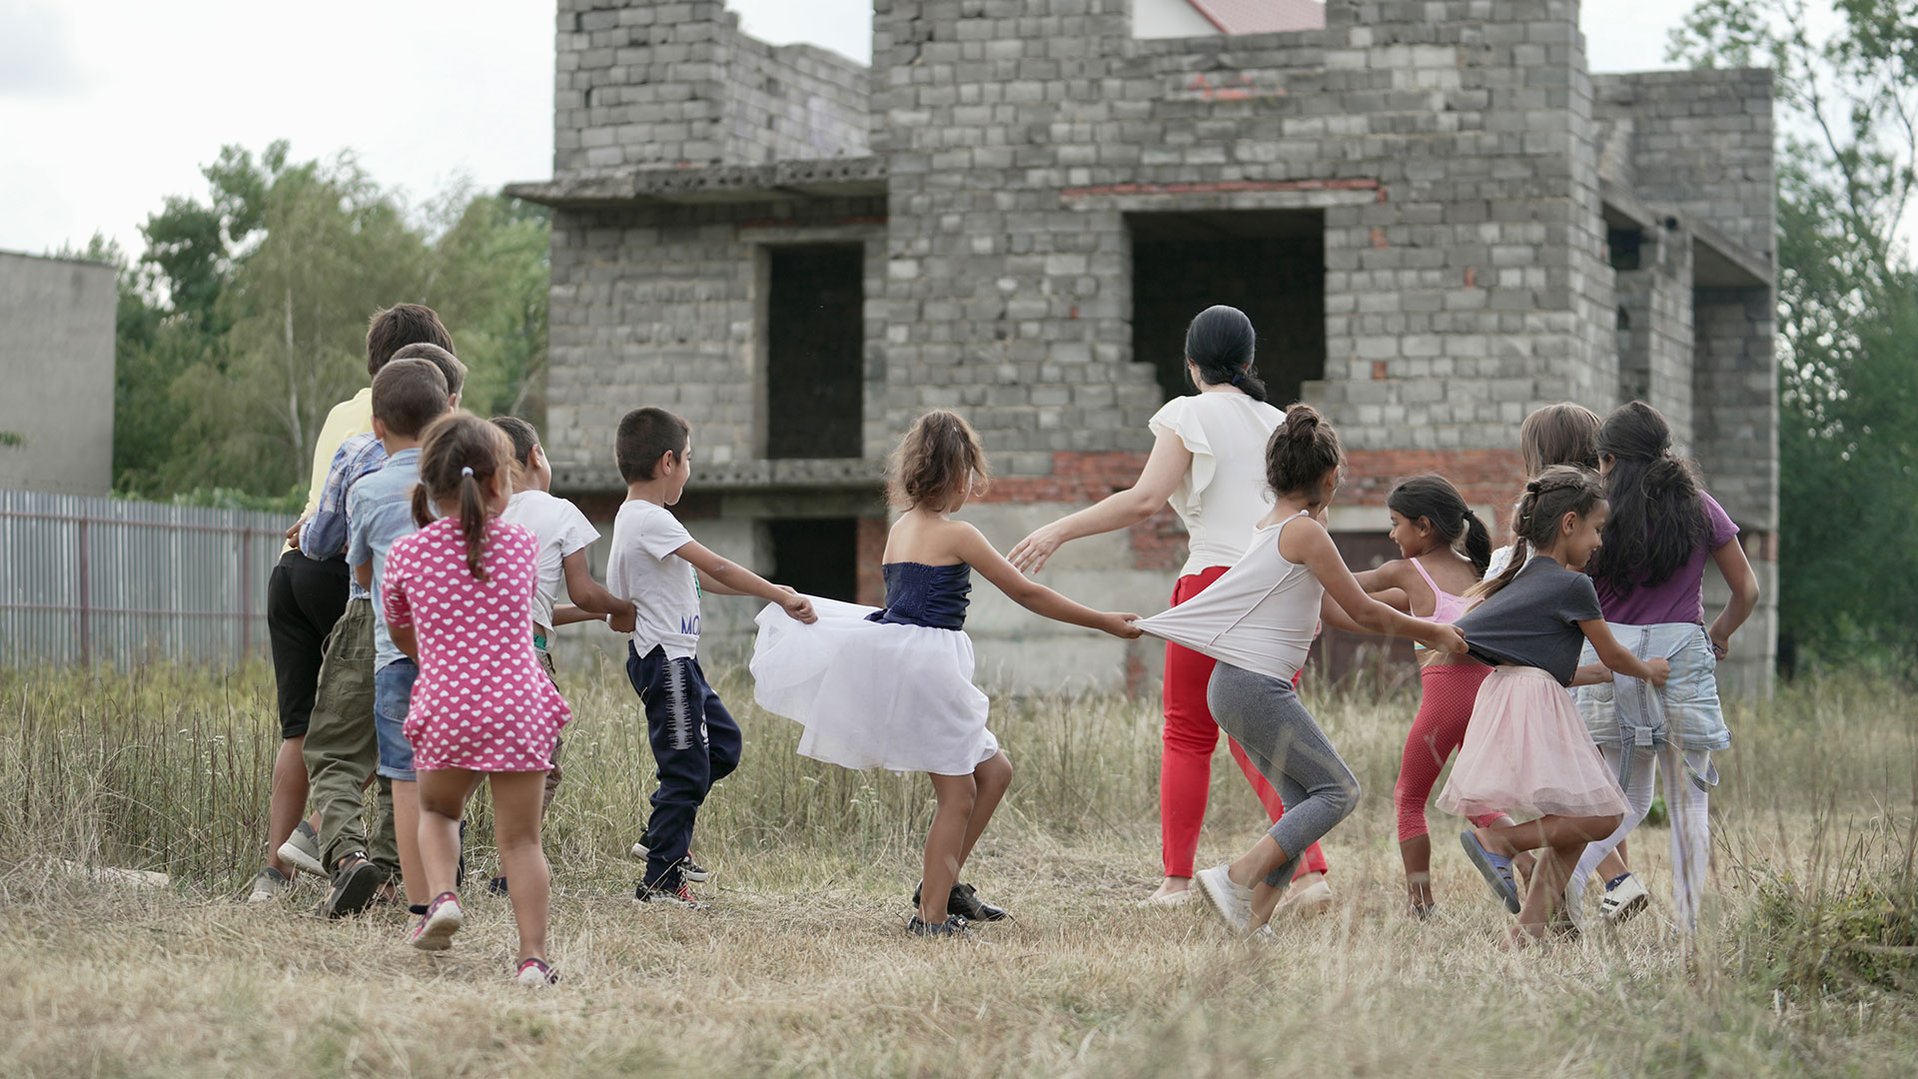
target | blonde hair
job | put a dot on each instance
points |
(1560, 434)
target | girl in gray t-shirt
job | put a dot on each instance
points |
(1526, 750)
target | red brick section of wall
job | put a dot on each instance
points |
(1484, 477)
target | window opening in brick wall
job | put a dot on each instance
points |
(1624, 247)
(815, 341)
(817, 555)
(1269, 264)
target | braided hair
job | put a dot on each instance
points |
(1557, 491)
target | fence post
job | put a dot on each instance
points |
(86, 598)
(244, 593)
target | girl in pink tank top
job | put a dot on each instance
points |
(1445, 549)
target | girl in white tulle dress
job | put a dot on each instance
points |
(892, 688)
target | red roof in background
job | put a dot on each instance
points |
(1261, 16)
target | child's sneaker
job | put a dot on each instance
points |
(535, 974)
(355, 884)
(681, 896)
(1231, 900)
(953, 926)
(442, 919)
(269, 884)
(1624, 898)
(688, 868)
(302, 850)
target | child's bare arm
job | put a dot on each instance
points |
(728, 578)
(970, 546)
(1592, 674)
(1619, 658)
(405, 640)
(587, 594)
(1334, 615)
(566, 614)
(363, 573)
(1307, 543)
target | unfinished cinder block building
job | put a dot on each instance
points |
(1436, 217)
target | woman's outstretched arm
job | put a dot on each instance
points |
(1163, 470)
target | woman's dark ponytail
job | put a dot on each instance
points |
(1220, 342)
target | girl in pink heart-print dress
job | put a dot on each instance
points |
(458, 597)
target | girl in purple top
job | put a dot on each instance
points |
(1650, 577)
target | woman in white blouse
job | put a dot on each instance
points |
(1209, 462)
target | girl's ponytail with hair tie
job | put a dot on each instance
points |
(466, 470)
(1238, 378)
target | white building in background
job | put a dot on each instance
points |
(56, 374)
(1201, 18)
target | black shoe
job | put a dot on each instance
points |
(953, 926)
(965, 901)
(688, 869)
(355, 885)
(497, 885)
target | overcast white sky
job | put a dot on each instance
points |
(108, 106)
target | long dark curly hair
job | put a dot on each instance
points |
(1658, 515)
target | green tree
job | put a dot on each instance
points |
(1848, 308)
(244, 320)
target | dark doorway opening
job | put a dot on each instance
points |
(817, 555)
(815, 341)
(1269, 264)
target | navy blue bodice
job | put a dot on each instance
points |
(922, 595)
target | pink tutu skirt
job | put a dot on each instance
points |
(1527, 751)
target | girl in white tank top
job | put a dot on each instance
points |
(1259, 616)
(1257, 620)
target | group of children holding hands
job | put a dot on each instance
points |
(436, 673)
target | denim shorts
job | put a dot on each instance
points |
(1685, 713)
(392, 694)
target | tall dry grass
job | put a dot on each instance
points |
(1804, 963)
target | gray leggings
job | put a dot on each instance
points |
(1288, 748)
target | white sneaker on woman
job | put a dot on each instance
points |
(1232, 900)
(1623, 900)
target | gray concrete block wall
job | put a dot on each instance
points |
(1702, 143)
(1455, 149)
(1735, 376)
(675, 84)
(1478, 264)
(1656, 351)
(793, 102)
(56, 362)
(661, 306)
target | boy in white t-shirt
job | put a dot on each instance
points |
(656, 563)
(564, 534)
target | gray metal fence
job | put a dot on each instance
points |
(97, 580)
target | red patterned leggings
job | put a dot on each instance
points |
(1447, 693)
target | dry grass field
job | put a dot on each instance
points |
(1806, 964)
